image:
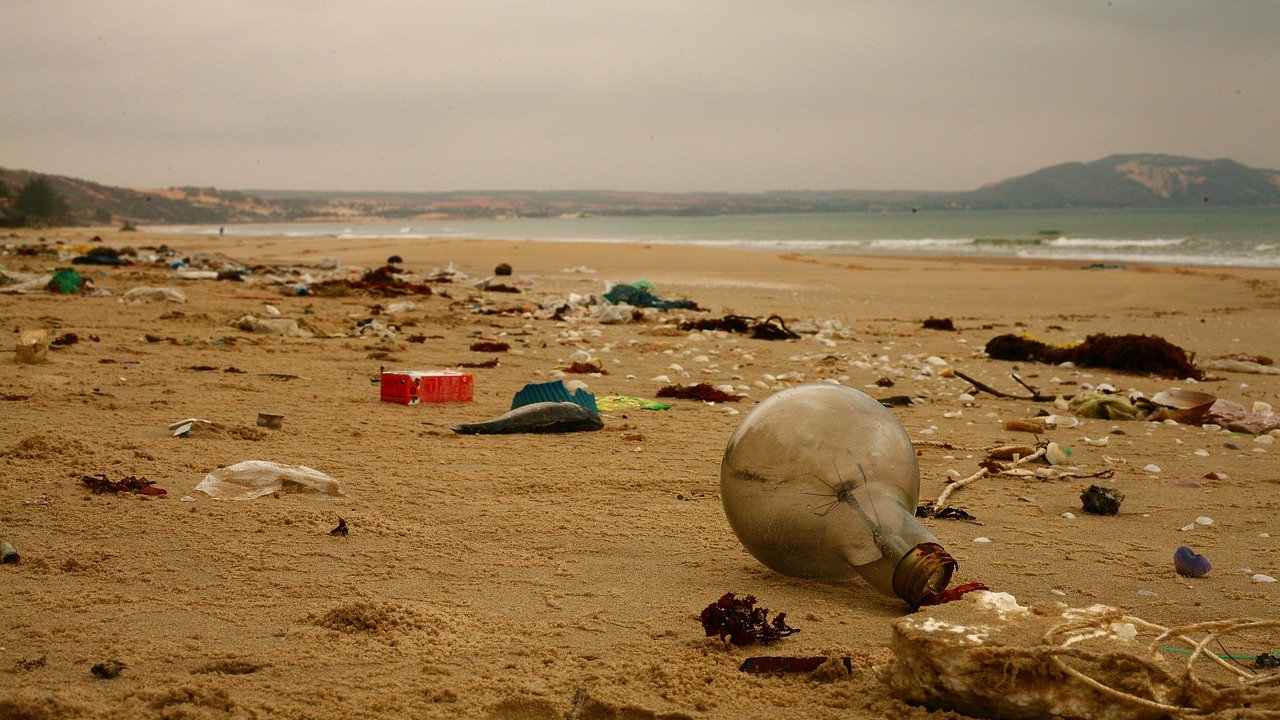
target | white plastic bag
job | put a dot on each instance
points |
(251, 479)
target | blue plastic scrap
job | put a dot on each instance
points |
(553, 391)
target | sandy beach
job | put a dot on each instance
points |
(505, 576)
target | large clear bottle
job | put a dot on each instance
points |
(821, 481)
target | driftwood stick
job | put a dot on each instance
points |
(946, 492)
(980, 386)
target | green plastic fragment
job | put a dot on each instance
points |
(626, 402)
(66, 281)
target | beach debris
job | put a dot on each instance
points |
(1143, 354)
(538, 417)
(491, 285)
(490, 363)
(66, 281)
(930, 509)
(155, 294)
(610, 403)
(1095, 662)
(251, 479)
(287, 327)
(341, 530)
(640, 294)
(1054, 454)
(555, 391)
(274, 421)
(981, 387)
(490, 346)
(1104, 406)
(1241, 366)
(738, 620)
(108, 669)
(100, 484)
(771, 328)
(1099, 500)
(1261, 578)
(701, 391)
(885, 382)
(502, 270)
(585, 368)
(32, 347)
(8, 554)
(1189, 563)
(1266, 661)
(102, 255)
(381, 282)
(1009, 452)
(1035, 426)
(64, 340)
(1232, 416)
(409, 387)
(893, 401)
(933, 323)
(789, 665)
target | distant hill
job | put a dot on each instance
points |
(1117, 181)
(1145, 180)
(94, 203)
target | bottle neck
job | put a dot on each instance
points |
(922, 574)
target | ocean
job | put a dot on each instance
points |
(1223, 237)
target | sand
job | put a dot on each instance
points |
(526, 576)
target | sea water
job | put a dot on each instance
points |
(1226, 236)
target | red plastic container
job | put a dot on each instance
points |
(446, 386)
(400, 387)
(409, 387)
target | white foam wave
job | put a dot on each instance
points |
(1115, 242)
(900, 243)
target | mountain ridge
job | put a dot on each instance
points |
(1126, 180)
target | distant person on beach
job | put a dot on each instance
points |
(221, 231)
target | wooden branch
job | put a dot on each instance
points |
(946, 493)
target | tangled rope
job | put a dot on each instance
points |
(1061, 638)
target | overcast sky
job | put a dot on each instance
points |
(651, 95)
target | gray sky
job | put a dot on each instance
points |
(651, 95)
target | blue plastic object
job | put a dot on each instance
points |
(553, 391)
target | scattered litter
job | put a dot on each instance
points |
(934, 323)
(1151, 468)
(100, 484)
(641, 294)
(66, 281)
(1189, 563)
(701, 391)
(155, 294)
(341, 530)
(928, 509)
(1056, 455)
(101, 255)
(1146, 354)
(1102, 406)
(8, 554)
(270, 420)
(610, 403)
(487, 346)
(1204, 521)
(32, 347)
(1099, 500)
(251, 479)
(379, 281)
(585, 368)
(272, 326)
(490, 363)
(885, 382)
(1037, 426)
(108, 670)
(771, 328)
(1241, 366)
(410, 387)
(982, 540)
(1260, 578)
(539, 417)
(740, 622)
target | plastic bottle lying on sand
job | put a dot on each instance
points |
(821, 481)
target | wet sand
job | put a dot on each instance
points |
(504, 576)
